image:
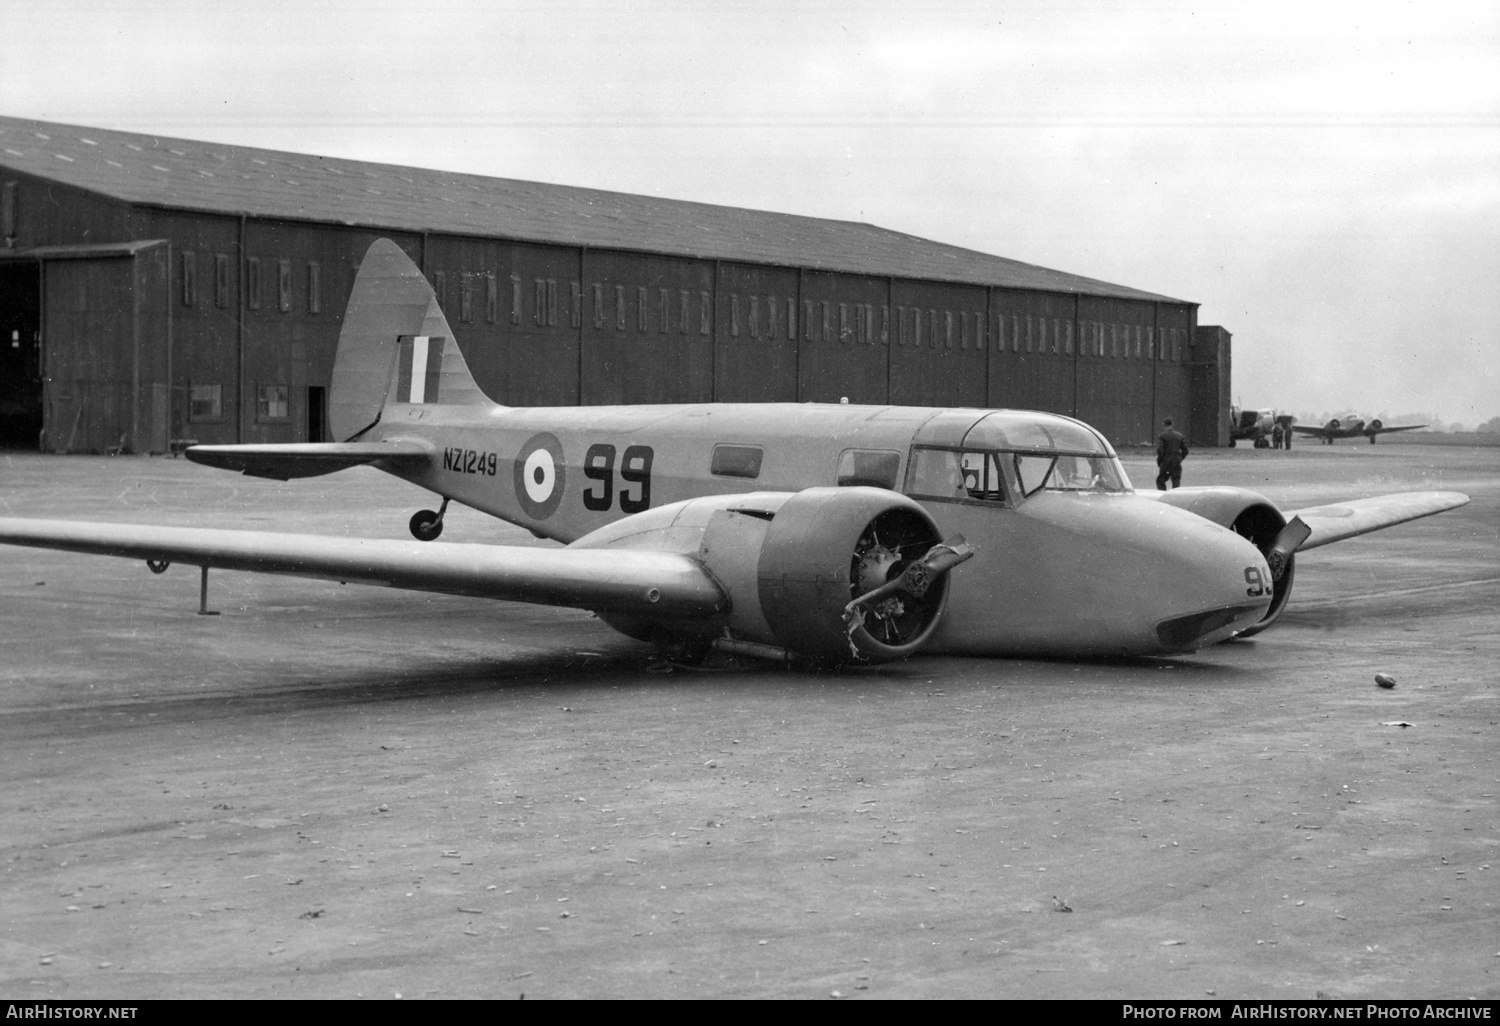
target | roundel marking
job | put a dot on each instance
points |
(540, 475)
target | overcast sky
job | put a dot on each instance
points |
(1323, 178)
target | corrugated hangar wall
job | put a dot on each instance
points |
(250, 310)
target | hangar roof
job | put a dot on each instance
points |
(181, 174)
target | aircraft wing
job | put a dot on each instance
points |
(1306, 429)
(1341, 520)
(1403, 427)
(658, 584)
(307, 459)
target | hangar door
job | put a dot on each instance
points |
(105, 363)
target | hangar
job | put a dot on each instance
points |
(157, 291)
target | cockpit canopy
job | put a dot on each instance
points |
(1011, 455)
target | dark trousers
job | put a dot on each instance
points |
(1169, 469)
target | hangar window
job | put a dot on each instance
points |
(791, 317)
(664, 309)
(704, 314)
(900, 325)
(271, 403)
(466, 296)
(598, 305)
(875, 468)
(754, 316)
(515, 299)
(576, 318)
(827, 322)
(734, 315)
(1068, 338)
(314, 287)
(252, 283)
(737, 461)
(189, 278)
(885, 325)
(1056, 335)
(640, 308)
(684, 308)
(963, 328)
(844, 334)
(619, 307)
(772, 314)
(205, 403)
(539, 301)
(221, 280)
(8, 211)
(284, 285)
(491, 298)
(440, 288)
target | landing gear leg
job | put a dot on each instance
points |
(427, 525)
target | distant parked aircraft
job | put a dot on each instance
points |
(1336, 428)
(1256, 425)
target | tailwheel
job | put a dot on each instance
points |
(426, 525)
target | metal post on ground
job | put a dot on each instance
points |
(203, 609)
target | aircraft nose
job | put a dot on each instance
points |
(1218, 584)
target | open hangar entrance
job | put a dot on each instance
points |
(84, 364)
(20, 354)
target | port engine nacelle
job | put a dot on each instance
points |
(825, 575)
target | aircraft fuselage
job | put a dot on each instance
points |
(1144, 577)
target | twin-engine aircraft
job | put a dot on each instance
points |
(1336, 428)
(810, 533)
(1257, 427)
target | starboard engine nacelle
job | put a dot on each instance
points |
(1254, 517)
(825, 575)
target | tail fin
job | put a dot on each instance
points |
(395, 347)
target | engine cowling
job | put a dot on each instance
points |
(791, 565)
(826, 547)
(1376, 425)
(1253, 517)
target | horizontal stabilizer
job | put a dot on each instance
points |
(1341, 520)
(654, 584)
(308, 459)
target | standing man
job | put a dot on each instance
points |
(1171, 450)
(1276, 435)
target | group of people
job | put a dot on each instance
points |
(1281, 437)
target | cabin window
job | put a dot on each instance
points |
(935, 474)
(271, 403)
(205, 403)
(737, 461)
(875, 468)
